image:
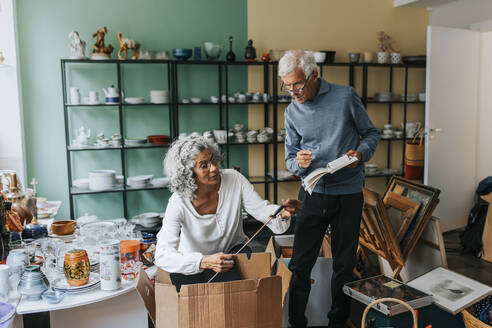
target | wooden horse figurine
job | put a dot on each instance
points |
(126, 44)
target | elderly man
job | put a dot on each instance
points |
(323, 122)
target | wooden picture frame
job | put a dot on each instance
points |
(406, 209)
(428, 199)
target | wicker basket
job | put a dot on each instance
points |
(414, 150)
(472, 322)
(388, 299)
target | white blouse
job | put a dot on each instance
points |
(186, 236)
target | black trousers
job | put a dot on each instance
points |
(343, 213)
(179, 279)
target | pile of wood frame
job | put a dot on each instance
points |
(392, 225)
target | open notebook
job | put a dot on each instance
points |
(312, 179)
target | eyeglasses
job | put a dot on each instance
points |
(296, 88)
(206, 165)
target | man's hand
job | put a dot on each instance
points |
(219, 262)
(304, 158)
(354, 153)
(292, 206)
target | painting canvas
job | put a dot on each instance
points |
(451, 291)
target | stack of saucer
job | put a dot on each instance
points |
(135, 142)
(384, 96)
(139, 181)
(159, 96)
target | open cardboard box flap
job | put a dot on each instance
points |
(274, 247)
(253, 302)
(487, 231)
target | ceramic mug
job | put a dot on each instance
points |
(93, 97)
(368, 57)
(395, 57)
(382, 57)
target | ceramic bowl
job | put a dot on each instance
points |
(220, 136)
(159, 139)
(160, 182)
(212, 50)
(53, 296)
(135, 100)
(196, 100)
(354, 57)
(182, 53)
(319, 56)
(147, 220)
(81, 183)
(64, 227)
(371, 168)
(214, 99)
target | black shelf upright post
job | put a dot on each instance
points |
(275, 132)
(226, 127)
(404, 122)
(67, 137)
(122, 133)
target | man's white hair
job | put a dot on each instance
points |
(293, 59)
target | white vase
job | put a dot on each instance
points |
(395, 57)
(382, 57)
(110, 264)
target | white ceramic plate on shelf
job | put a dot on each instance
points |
(135, 100)
(160, 182)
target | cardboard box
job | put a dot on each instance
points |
(319, 302)
(253, 302)
(487, 231)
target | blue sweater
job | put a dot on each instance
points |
(330, 125)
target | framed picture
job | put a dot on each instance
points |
(401, 212)
(451, 291)
(427, 199)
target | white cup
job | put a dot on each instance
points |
(4, 279)
(74, 91)
(75, 99)
(93, 97)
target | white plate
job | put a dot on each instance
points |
(62, 284)
(160, 182)
(135, 100)
(81, 183)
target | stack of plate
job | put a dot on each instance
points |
(94, 261)
(384, 96)
(102, 179)
(410, 97)
(62, 285)
(135, 100)
(160, 182)
(135, 142)
(139, 181)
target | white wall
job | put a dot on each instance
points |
(484, 158)
(11, 128)
(461, 14)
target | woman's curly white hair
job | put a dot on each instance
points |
(180, 161)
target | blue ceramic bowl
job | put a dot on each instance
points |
(182, 53)
(53, 296)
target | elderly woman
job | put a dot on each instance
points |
(203, 216)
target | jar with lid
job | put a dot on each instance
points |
(147, 248)
(130, 259)
(76, 267)
(110, 264)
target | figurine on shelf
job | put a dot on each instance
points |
(230, 57)
(100, 50)
(126, 44)
(77, 47)
(83, 137)
(250, 53)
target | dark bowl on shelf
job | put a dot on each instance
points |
(330, 56)
(182, 53)
(416, 60)
(159, 139)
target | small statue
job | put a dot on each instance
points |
(250, 53)
(100, 50)
(126, 44)
(77, 47)
(230, 57)
(83, 137)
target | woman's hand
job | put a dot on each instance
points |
(219, 262)
(292, 206)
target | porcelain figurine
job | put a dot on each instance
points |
(112, 95)
(126, 44)
(230, 57)
(77, 47)
(250, 52)
(100, 50)
(83, 137)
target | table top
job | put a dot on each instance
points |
(74, 300)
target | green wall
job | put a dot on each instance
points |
(157, 25)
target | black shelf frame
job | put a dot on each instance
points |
(223, 87)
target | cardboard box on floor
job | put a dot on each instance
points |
(487, 231)
(252, 302)
(319, 302)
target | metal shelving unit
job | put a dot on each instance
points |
(223, 88)
(122, 189)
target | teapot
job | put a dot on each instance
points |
(83, 137)
(112, 95)
(411, 128)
